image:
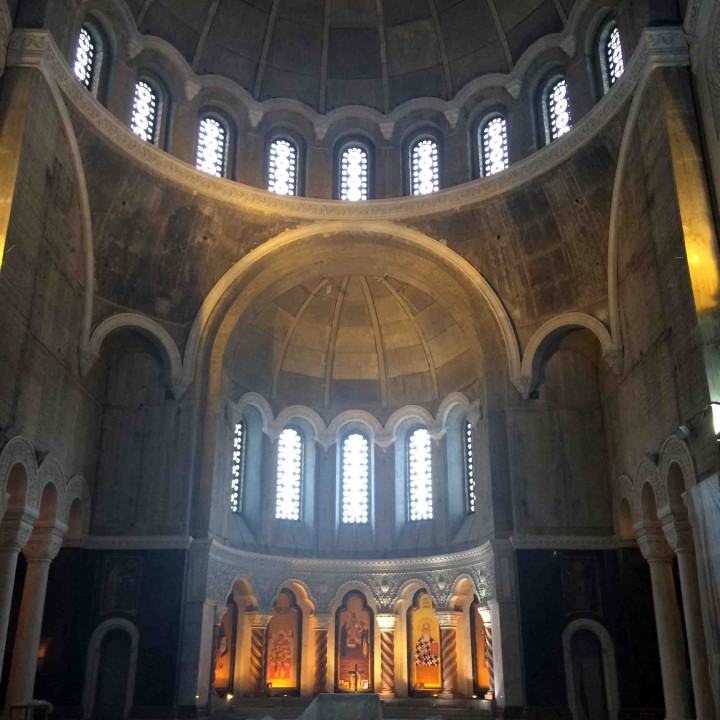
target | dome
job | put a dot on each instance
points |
(352, 341)
(342, 52)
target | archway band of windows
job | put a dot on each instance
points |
(237, 471)
(424, 166)
(146, 106)
(212, 145)
(86, 58)
(419, 475)
(290, 457)
(355, 452)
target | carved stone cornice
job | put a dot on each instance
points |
(15, 528)
(35, 48)
(130, 542)
(44, 543)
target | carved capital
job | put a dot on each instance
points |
(653, 545)
(259, 621)
(678, 533)
(448, 619)
(387, 621)
(321, 621)
(15, 529)
(524, 385)
(44, 543)
(614, 360)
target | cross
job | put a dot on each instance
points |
(356, 674)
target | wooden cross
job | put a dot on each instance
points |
(356, 674)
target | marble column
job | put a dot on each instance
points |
(321, 622)
(258, 638)
(386, 623)
(679, 536)
(15, 530)
(489, 653)
(676, 683)
(448, 647)
(42, 547)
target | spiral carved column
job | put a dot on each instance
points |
(321, 659)
(387, 653)
(258, 639)
(489, 662)
(448, 649)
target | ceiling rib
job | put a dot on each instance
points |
(265, 49)
(142, 12)
(561, 11)
(330, 357)
(501, 33)
(286, 342)
(322, 90)
(443, 52)
(407, 307)
(200, 48)
(383, 56)
(378, 341)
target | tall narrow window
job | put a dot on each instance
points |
(146, 107)
(556, 102)
(354, 173)
(419, 461)
(237, 476)
(86, 59)
(282, 171)
(611, 56)
(468, 451)
(211, 156)
(289, 475)
(424, 167)
(355, 478)
(493, 144)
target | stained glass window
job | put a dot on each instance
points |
(355, 478)
(86, 58)
(211, 152)
(145, 112)
(468, 448)
(238, 467)
(289, 474)
(282, 167)
(424, 167)
(557, 109)
(354, 173)
(419, 459)
(611, 56)
(493, 145)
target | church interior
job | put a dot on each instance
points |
(360, 354)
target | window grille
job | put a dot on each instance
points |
(424, 167)
(211, 156)
(145, 112)
(493, 144)
(420, 475)
(469, 456)
(354, 166)
(612, 56)
(557, 109)
(86, 56)
(355, 478)
(282, 167)
(237, 476)
(289, 475)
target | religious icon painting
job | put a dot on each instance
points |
(354, 624)
(481, 671)
(424, 649)
(225, 651)
(282, 649)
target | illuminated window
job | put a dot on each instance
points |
(211, 146)
(556, 107)
(354, 173)
(282, 167)
(468, 452)
(237, 475)
(419, 459)
(493, 144)
(611, 56)
(289, 475)
(355, 478)
(424, 167)
(146, 106)
(86, 59)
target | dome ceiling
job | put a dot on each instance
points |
(352, 341)
(329, 53)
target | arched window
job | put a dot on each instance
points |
(145, 121)
(424, 166)
(469, 459)
(556, 109)
(493, 146)
(282, 169)
(354, 176)
(419, 470)
(212, 144)
(237, 476)
(289, 474)
(87, 58)
(612, 65)
(355, 478)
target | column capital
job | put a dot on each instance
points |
(45, 542)
(15, 529)
(387, 621)
(678, 533)
(258, 621)
(653, 545)
(448, 619)
(321, 621)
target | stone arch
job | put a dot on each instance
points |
(52, 486)
(625, 506)
(674, 456)
(92, 667)
(148, 327)
(612, 696)
(75, 512)
(19, 474)
(535, 350)
(645, 487)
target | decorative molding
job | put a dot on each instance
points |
(563, 542)
(36, 48)
(129, 542)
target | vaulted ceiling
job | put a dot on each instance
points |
(330, 53)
